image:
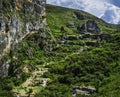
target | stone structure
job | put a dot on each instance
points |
(18, 18)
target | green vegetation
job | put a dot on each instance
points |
(78, 60)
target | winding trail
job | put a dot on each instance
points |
(35, 82)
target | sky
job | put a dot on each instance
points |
(115, 2)
(108, 10)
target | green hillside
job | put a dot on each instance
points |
(68, 57)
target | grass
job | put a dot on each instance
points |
(73, 63)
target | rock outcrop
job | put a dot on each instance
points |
(18, 18)
(83, 90)
(79, 16)
(70, 25)
(90, 26)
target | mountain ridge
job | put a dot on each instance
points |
(77, 54)
(98, 8)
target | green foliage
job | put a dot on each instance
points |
(54, 91)
(72, 63)
(6, 86)
(95, 66)
(6, 94)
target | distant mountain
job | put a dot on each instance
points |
(108, 10)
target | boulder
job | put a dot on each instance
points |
(90, 27)
(79, 16)
(70, 25)
(102, 37)
(83, 90)
(106, 37)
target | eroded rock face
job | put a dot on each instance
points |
(19, 18)
(90, 26)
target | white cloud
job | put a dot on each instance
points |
(112, 14)
(100, 8)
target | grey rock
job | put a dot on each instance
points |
(4, 68)
(83, 90)
(92, 26)
(79, 16)
(106, 37)
(23, 17)
(70, 25)
(89, 27)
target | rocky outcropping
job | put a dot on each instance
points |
(70, 25)
(4, 69)
(79, 16)
(18, 18)
(90, 27)
(83, 90)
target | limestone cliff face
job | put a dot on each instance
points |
(19, 18)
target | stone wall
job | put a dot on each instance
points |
(18, 18)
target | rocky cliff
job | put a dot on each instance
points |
(19, 18)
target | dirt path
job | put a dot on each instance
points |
(33, 84)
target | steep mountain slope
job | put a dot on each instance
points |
(81, 60)
(77, 55)
(18, 18)
(98, 8)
